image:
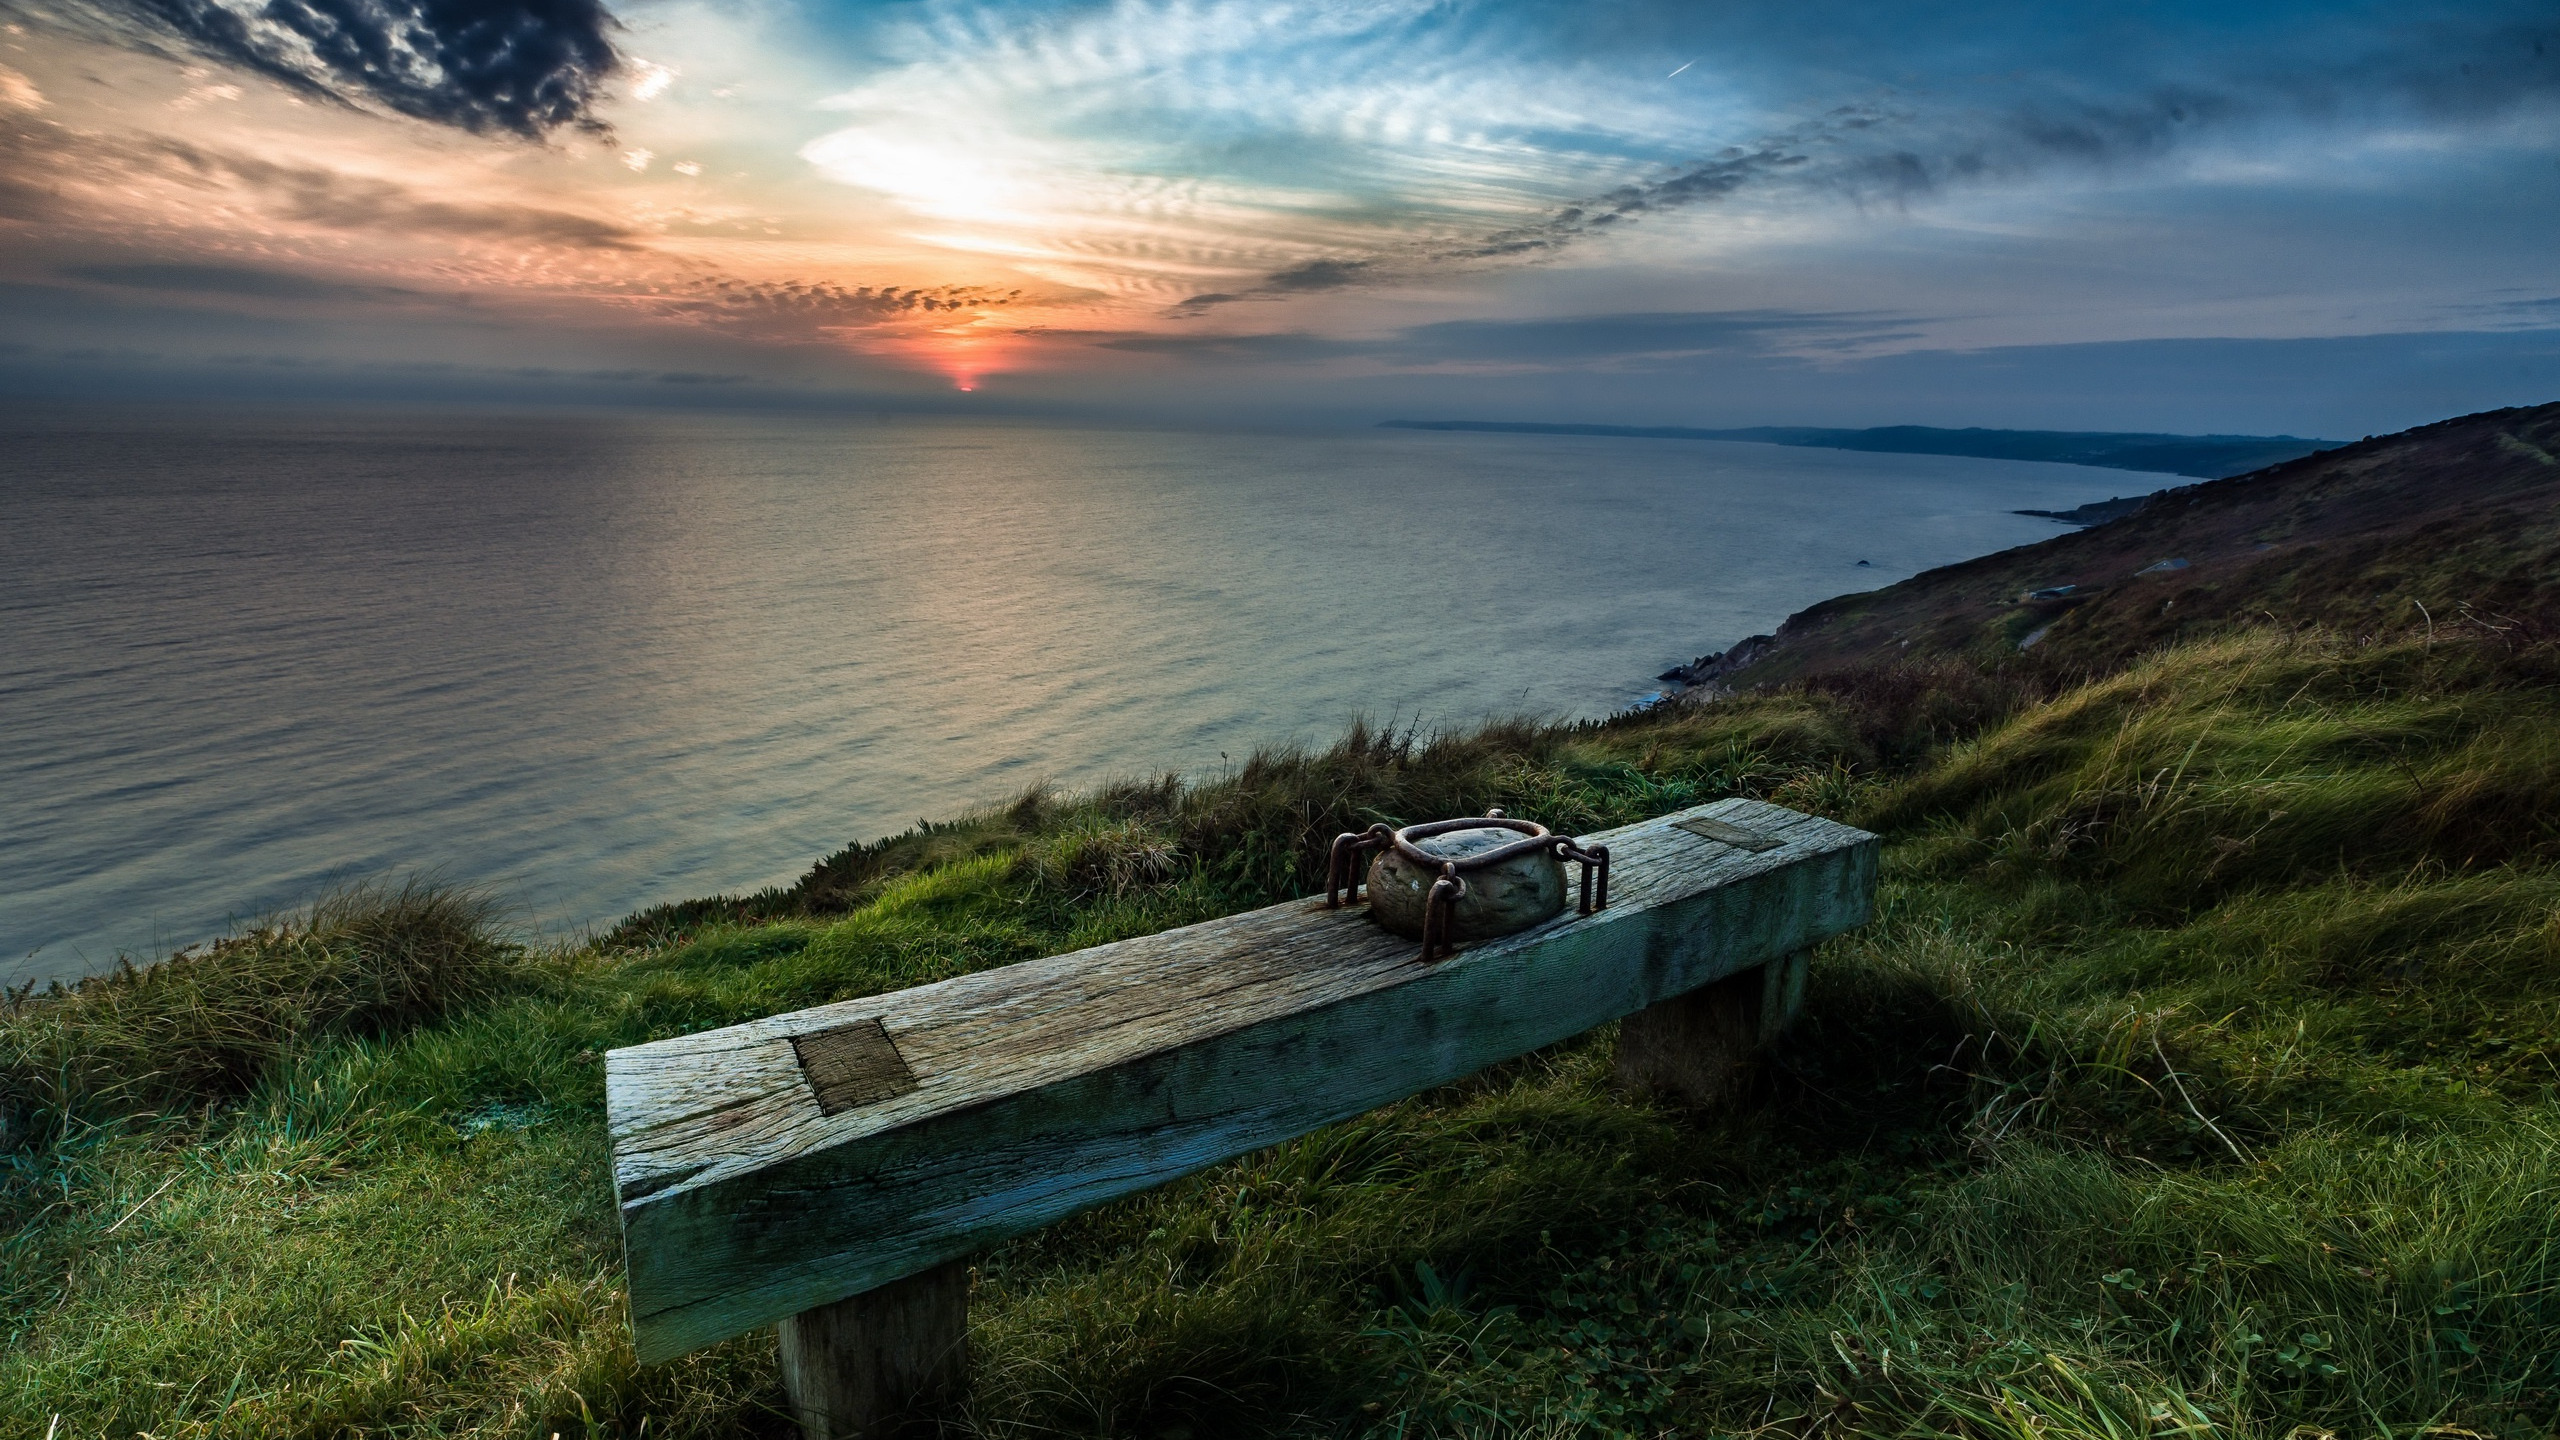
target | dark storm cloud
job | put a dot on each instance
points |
(519, 66)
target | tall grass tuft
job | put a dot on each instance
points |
(2263, 759)
(205, 1024)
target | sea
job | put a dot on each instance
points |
(597, 661)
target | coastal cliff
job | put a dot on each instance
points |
(2456, 523)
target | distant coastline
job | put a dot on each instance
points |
(2208, 457)
(2351, 543)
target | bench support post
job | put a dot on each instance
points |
(1697, 1048)
(857, 1367)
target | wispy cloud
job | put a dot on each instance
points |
(19, 93)
(242, 280)
(1638, 341)
(331, 240)
(2425, 71)
(799, 310)
(1140, 146)
(335, 199)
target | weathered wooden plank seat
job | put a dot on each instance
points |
(771, 1169)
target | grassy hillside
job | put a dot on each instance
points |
(2198, 1079)
(2449, 525)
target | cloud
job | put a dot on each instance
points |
(1645, 339)
(2409, 73)
(225, 280)
(1318, 275)
(341, 201)
(805, 309)
(335, 366)
(17, 92)
(106, 180)
(1308, 278)
(1614, 342)
(2070, 169)
(520, 66)
(1282, 347)
(788, 311)
(649, 79)
(2534, 312)
(1133, 147)
(24, 202)
(534, 253)
(1195, 154)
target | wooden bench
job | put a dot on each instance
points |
(831, 1169)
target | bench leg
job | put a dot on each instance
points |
(1697, 1048)
(859, 1366)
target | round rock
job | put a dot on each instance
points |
(1511, 895)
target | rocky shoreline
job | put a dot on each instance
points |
(1709, 670)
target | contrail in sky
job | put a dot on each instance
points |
(1675, 73)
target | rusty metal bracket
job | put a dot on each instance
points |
(1594, 861)
(1342, 872)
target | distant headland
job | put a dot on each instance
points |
(2209, 457)
(2462, 515)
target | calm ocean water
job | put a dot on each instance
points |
(604, 661)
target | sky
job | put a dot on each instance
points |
(2320, 219)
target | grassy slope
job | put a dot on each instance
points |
(2199, 1078)
(2452, 524)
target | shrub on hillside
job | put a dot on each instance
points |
(204, 1024)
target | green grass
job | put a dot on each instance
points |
(2197, 1078)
